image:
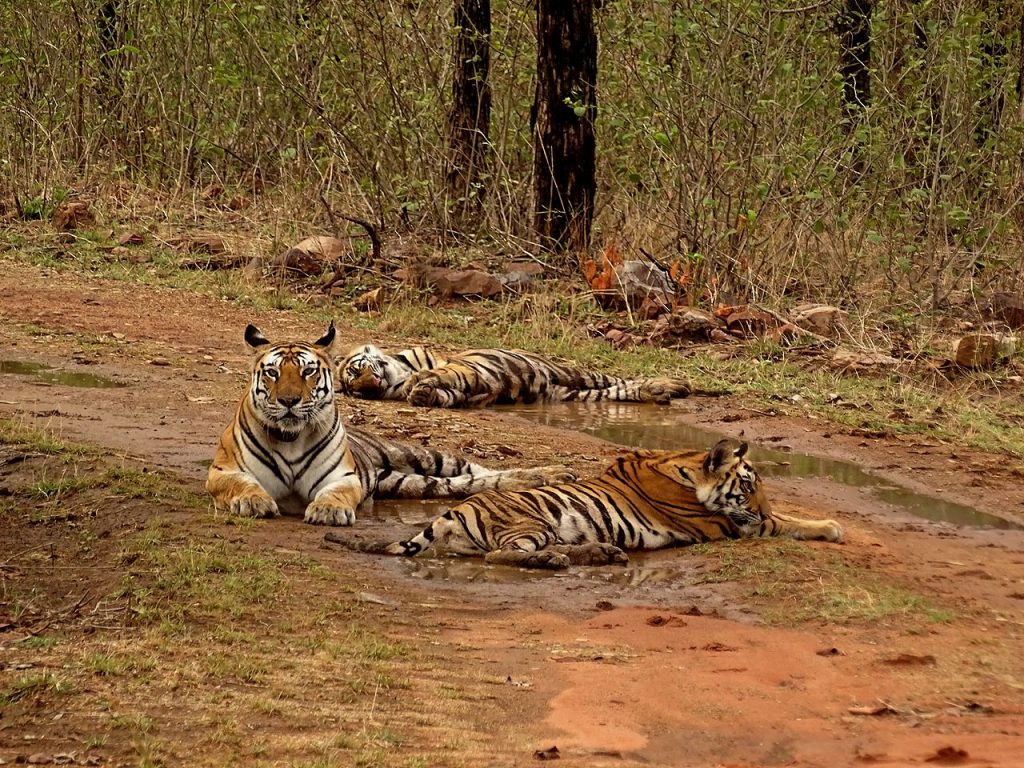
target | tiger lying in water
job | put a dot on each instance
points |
(480, 377)
(287, 447)
(644, 500)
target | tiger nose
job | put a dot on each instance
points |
(289, 401)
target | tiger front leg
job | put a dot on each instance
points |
(595, 553)
(530, 545)
(239, 493)
(437, 388)
(336, 504)
(545, 559)
(778, 524)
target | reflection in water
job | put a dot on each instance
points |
(51, 376)
(641, 426)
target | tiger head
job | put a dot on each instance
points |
(291, 386)
(364, 372)
(728, 484)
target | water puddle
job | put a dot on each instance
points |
(55, 376)
(641, 426)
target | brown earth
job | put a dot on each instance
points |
(648, 665)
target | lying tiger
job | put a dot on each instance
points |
(644, 500)
(287, 447)
(480, 377)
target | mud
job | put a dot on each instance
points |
(644, 665)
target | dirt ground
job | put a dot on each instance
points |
(619, 667)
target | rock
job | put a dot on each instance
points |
(983, 351)
(201, 242)
(73, 215)
(370, 301)
(785, 333)
(1007, 308)
(446, 282)
(853, 360)
(517, 279)
(531, 268)
(637, 281)
(212, 192)
(311, 256)
(687, 323)
(131, 238)
(750, 322)
(820, 318)
(652, 308)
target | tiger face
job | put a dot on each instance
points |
(363, 373)
(729, 484)
(292, 385)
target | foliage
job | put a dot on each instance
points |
(723, 142)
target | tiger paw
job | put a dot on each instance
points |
(256, 504)
(328, 513)
(425, 395)
(594, 554)
(545, 559)
(833, 532)
(518, 479)
(663, 389)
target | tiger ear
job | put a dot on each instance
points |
(327, 339)
(254, 337)
(725, 452)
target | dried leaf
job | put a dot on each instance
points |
(949, 756)
(909, 659)
(876, 710)
(551, 753)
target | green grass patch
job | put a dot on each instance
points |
(169, 582)
(32, 440)
(33, 684)
(794, 582)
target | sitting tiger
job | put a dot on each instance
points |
(644, 500)
(287, 448)
(480, 377)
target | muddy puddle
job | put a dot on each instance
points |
(643, 426)
(49, 375)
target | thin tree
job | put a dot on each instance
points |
(469, 120)
(854, 29)
(112, 28)
(564, 108)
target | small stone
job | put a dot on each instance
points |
(161, 361)
(131, 238)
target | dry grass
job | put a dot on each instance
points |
(160, 641)
(980, 410)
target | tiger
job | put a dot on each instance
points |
(644, 500)
(481, 377)
(287, 448)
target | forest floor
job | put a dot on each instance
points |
(139, 628)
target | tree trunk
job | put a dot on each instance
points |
(469, 120)
(854, 27)
(112, 28)
(997, 27)
(564, 109)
